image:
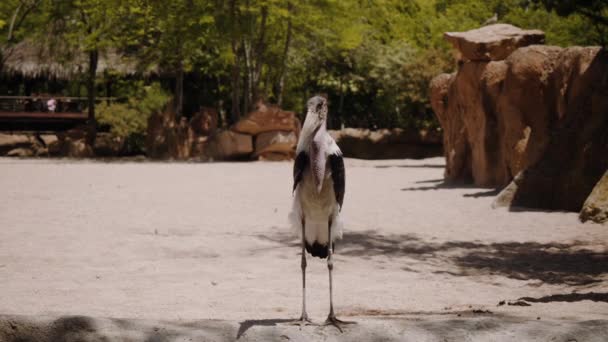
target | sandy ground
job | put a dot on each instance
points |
(164, 252)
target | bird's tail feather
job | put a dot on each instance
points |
(316, 249)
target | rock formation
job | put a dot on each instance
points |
(229, 145)
(595, 207)
(387, 143)
(542, 114)
(493, 42)
(274, 131)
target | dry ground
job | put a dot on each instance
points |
(167, 252)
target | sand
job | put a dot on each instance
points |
(132, 250)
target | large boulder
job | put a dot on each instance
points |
(75, 148)
(492, 42)
(276, 143)
(595, 207)
(387, 143)
(267, 118)
(227, 145)
(22, 145)
(12, 141)
(20, 152)
(108, 145)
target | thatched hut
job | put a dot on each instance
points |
(32, 73)
(32, 60)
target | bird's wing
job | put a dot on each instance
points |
(336, 164)
(299, 165)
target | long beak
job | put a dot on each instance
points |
(310, 123)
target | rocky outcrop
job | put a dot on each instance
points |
(20, 145)
(276, 145)
(273, 130)
(108, 145)
(227, 145)
(595, 207)
(265, 118)
(542, 114)
(69, 144)
(388, 143)
(493, 42)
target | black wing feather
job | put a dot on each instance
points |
(299, 166)
(336, 163)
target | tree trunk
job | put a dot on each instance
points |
(11, 27)
(259, 57)
(179, 90)
(248, 75)
(234, 79)
(341, 104)
(92, 126)
(283, 72)
(108, 89)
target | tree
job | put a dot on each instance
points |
(14, 17)
(87, 26)
(595, 10)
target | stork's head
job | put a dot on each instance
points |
(317, 107)
(316, 114)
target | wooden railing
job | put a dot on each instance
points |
(40, 104)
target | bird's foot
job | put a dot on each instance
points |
(302, 321)
(332, 320)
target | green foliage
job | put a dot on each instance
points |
(374, 59)
(131, 118)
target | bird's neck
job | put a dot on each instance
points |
(309, 135)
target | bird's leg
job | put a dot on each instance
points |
(331, 318)
(304, 320)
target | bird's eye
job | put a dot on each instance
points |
(319, 107)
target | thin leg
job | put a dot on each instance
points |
(304, 320)
(304, 316)
(331, 318)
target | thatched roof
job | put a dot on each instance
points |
(33, 60)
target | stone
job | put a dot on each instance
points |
(276, 156)
(49, 139)
(108, 145)
(227, 145)
(267, 118)
(76, 148)
(276, 142)
(21, 152)
(9, 140)
(16, 144)
(506, 195)
(387, 143)
(492, 42)
(595, 207)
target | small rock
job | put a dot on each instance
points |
(21, 152)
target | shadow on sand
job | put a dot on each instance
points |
(245, 325)
(569, 297)
(551, 263)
